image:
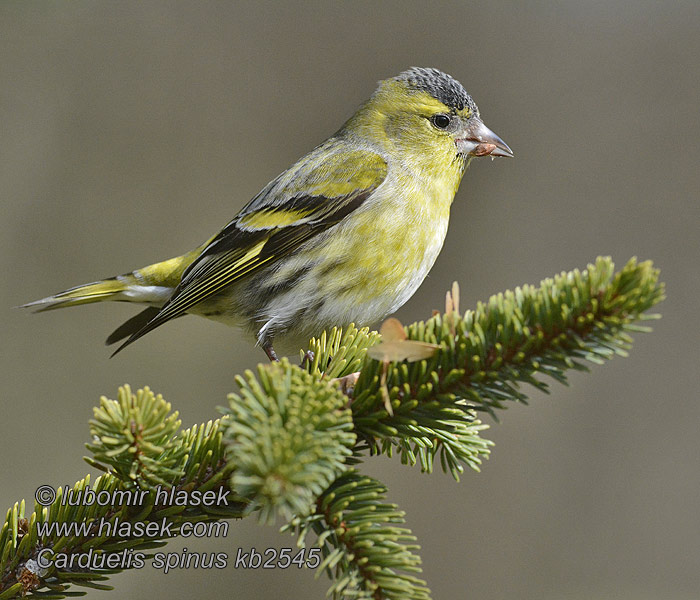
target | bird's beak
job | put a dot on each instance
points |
(478, 140)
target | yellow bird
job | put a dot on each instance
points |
(345, 235)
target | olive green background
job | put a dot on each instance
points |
(131, 131)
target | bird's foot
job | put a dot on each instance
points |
(347, 383)
(307, 359)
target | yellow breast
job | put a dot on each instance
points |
(388, 247)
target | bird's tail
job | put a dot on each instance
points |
(151, 285)
(130, 287)
(114, 288)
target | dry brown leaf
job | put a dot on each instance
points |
(392, 330)
(394, 346)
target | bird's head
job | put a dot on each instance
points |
(426, 118)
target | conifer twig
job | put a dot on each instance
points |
(289, 443)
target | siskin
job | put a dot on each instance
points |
(345, 235)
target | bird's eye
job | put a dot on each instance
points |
(441, 121)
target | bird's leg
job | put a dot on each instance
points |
(270, 351)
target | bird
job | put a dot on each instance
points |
(346, 235)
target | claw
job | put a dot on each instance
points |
(307, 359)
(347, 383)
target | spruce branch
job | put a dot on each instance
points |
(290, 441)
(486, 354)
(288, 435)
(138, 444)
(366, 551)
(340, 352)
(135, 438)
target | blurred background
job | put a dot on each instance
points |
(131, 131)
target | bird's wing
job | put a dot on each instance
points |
(315, 194)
